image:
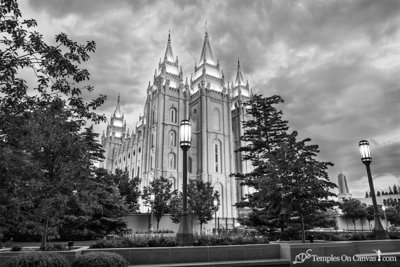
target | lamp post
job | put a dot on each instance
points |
(185, 235)
(152, 197)
(215, 215)
(366, 158)
(384, 214)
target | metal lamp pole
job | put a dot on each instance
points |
(185, 235)
(366, 158)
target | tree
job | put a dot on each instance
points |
(128, 188)
(370, 215)
(287, 179)
(200, 202)
(390, 191)
(354, 210)
(366, 195)
(161, 188)
(378, 194)
(176, 206)
(103, 215)
(47, 150)
(395, 190)
(393, 215)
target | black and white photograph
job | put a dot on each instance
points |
(226, 132)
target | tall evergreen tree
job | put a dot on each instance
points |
(395, 189)
(287, 179)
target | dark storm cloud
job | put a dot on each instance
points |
(335, 63)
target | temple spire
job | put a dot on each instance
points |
(117, 111)
(206, 53)
(169, 55)
(239, 76)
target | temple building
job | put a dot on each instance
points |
(214, 107)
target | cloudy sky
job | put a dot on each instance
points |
(336, 63)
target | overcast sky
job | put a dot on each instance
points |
(336, 63)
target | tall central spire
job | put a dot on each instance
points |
(206, 53)
(208, 71)
(117, 111)
(169, 55)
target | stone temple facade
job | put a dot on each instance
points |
(214, 107)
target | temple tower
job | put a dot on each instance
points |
(210, 156)
(112, 139)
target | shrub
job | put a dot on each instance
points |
(136, 241)
(394, 235)
(100, 259)
(54, 247)
(206, 240)
(16, 248)
(38, 259)
(163, 231)
(358, 236)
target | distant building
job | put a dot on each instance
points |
(214, 107)
(344, 191)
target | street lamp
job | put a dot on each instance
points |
(215, 214)
(152, 197)
(366, 158)
(384, 214)
(185, 235)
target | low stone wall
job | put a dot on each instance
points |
(195, 254)
(342, 253)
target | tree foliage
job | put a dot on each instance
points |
(162, 190)
(287, 179)
(200, 200)
(354, 210)
(128, 188)
(47, 147)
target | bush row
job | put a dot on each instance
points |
(162, 241)
(48, 259)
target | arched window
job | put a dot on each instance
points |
(133, 172)
(153, 139)
(173, 115)
(138, 172)
(216, 120)
(217, 157)
(172, 161)
(172, 138)
(151, 162)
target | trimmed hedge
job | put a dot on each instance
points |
(38, 259)
(100, 259)
(161, 241)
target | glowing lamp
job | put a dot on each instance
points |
(185, 132)
(364, 151)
